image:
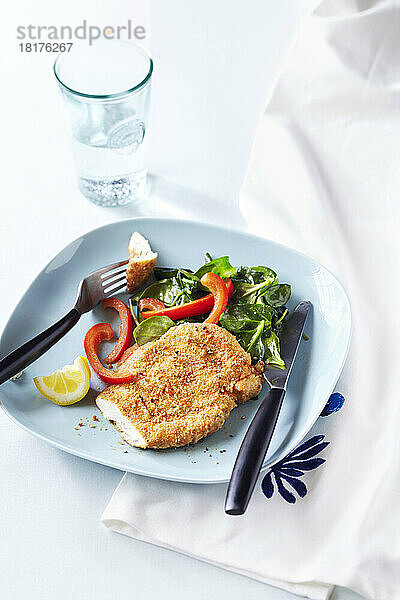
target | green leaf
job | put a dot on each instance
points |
(151, 329)
(164, 273)
(249, 293)
(188, 283)
(272, 356)
(277, 295)
(239, 317)
(251, 324)
(166, 290)
(255, 346)
(221, 266)
(251, 283)
(278, 318)
(254, 275)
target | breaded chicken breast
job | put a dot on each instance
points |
(186, 384)
(141, 261)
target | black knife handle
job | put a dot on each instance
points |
(26, 354)
(252, 453)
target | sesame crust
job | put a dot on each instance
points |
(186, 384)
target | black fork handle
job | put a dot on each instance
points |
(26, 354)
(252, 452)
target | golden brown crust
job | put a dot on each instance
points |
(138, 272)
(186, 383)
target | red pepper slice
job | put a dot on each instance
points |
(191, 309)
(127, 354)
(151, 304)
(220, 293)
(96, 334)
(125, 332)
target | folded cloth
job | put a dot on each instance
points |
(323, 178)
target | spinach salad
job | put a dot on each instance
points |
(255, 312)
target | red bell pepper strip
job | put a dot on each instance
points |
(127, 354)
(191, 309)
(125, 332)
(96, 334)
(150, 304)
(220, 293)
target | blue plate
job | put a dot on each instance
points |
(52, 294)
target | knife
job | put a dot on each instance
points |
(258, 437)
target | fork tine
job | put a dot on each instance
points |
(114, 290)
(111, 283)
(114, 274)
(110, 267)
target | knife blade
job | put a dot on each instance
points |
(259, 434)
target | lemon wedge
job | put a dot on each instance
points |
(67, 385)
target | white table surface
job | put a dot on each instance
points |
(214, 65)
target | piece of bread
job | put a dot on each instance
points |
(141, 262)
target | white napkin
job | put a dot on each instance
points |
(324, 177)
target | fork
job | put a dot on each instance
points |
(93, 289)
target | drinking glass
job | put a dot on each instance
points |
(107, 89)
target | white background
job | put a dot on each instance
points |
(215, 63)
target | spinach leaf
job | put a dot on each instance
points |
(252, 341)
(134, 299)
(251, 324)
(277, 295)
(168, 273)
(172, 291)
(245, 293)
(164, 273)
(189, 284)
(166, 290)
(255, 275)
(262, 344)
(251, 283)
(221, 266)
(240, 317)
(278, 317)
(272, 356)
(249, 293)
(255, 326)
(151, 329)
